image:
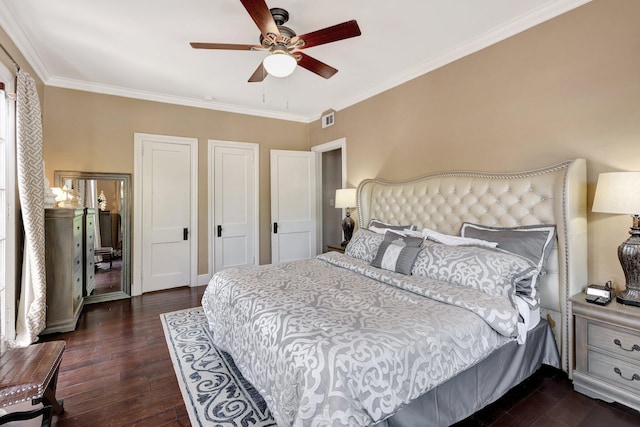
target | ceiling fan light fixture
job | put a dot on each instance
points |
(280, 64)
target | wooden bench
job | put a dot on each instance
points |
(31, 373)
(106, 252)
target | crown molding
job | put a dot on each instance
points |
(169, 99)
(22, 42)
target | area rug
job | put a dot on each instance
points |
(214, 391)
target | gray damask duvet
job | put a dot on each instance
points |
(335, 341)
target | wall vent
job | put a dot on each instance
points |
(327, 120)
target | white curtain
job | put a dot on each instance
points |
(32, 306)
(89, 195)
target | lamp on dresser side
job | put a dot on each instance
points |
(346, 198)
(619, 193)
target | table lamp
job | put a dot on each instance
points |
(346, 198)
(619, 193)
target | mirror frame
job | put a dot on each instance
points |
(59, 177)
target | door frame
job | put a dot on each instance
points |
(138, 144)
(341, 144)
(211, 220)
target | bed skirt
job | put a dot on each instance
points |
(482, 384)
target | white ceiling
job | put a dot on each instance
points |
(140, 48)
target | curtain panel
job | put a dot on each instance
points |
(32, 305)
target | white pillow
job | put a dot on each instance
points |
(382, 227)
(450, 240)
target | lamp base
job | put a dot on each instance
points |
(629, 256)
(629, 297)
(347, 228)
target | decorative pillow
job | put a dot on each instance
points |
(533, 242)
(364, 245)
(412, 233)
(382, 227)
(450, 240)
(485, 269)
(397, 252)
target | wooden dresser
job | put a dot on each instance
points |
(65, 260)
(607, 346)
(88, 242)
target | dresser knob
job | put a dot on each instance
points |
(635, 347)
(635, 377)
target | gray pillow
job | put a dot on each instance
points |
(485, 269)
(364, 245)
(397, 253)
(533, 242)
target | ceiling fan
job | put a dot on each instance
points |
(283, 43)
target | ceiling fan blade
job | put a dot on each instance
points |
(224, 46)
(315, 66)
(258, 75)
(261, 15)
(331, 34)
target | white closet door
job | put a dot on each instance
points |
(293, 205)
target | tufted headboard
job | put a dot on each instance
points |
(551, 195)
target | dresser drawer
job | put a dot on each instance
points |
(614, 370)
(619, 341)
(77, 250)
(77, 288)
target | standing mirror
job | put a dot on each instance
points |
(109, 195)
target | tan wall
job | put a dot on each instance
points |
(567, 88)
(94, 133)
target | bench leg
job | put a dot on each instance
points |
(49, 396)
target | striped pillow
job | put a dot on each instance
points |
(397, 253)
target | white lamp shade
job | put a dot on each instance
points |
(346, 198)
(279, 64)
(618, 193)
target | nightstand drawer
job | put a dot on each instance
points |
(607, 351)
(617, 340)
(613, 370)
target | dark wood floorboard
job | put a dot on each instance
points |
(116, 371)
(108, 276)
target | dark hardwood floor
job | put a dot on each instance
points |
(108, 277)
(116, 371)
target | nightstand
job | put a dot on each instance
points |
(335, 248)
(607, 351)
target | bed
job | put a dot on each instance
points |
(415, 324)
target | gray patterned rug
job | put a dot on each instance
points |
(214, 391)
